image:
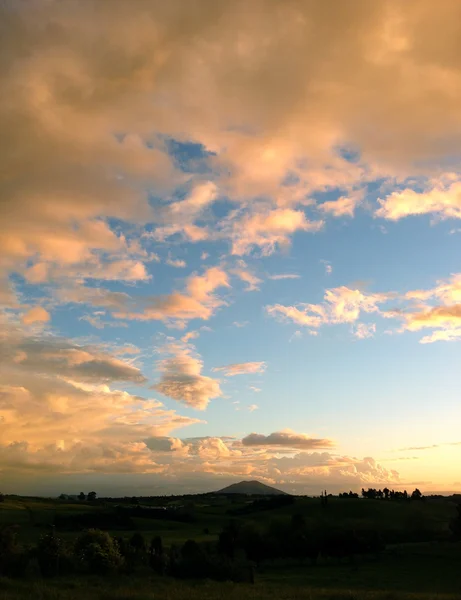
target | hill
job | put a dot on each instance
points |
(251, 488)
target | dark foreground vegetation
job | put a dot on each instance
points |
(374, 546)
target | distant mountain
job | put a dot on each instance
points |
(251, 488)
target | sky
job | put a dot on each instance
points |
(230, 239)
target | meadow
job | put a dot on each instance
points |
(420, 559)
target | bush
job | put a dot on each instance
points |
(13, 557)
(53, 556)
(97, 552)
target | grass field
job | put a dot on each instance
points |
(404, 571)
(35, 515)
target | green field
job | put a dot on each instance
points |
(428, 567)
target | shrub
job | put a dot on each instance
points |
(52, 555)
(97, 552)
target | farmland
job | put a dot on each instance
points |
(419, 557)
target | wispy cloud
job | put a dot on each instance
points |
(242, 368)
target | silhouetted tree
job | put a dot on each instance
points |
(2, 497)
(416, 495)
(81, 497)
(386, 493)
(91, 496)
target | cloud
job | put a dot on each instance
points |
(430, 447)
(252, 407)
(21, 355)
(442, 198)
(268, 230)
(59, 413)
(90, 99)
(242, 368)
(182, 380)
(328, 267)
(363, 331)
(344, 206)
(341, 305)
(245, 275)
(286, 439)
(69, 174)
(437, 308)
(37, 314)
(177, 263)
(197, 301)
(284, 276)
(180, 216)
(294, 314)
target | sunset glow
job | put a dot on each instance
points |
(230, 245)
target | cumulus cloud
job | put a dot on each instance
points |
(242, 368)
(176, 262)
(268, 230)
(286, 439)
(92, 93)
(437, 308)
(68, 173)
(341, 305)
(182, 379)
(180, 216)
(59, 412)
(442, 197)
(37, 314)
(344, 206)
(198, 301)
(363, 331)
(21, 355)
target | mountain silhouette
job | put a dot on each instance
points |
(251, 488)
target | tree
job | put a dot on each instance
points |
(91, 496)
(2, 497)
(416, 495)
(81, 497)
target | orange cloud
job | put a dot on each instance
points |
(269, 229)
(342, 207)
(197, 302)
(242, 368)
(37, 314)
(341, 305)
(442, 198)
(182, 379)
